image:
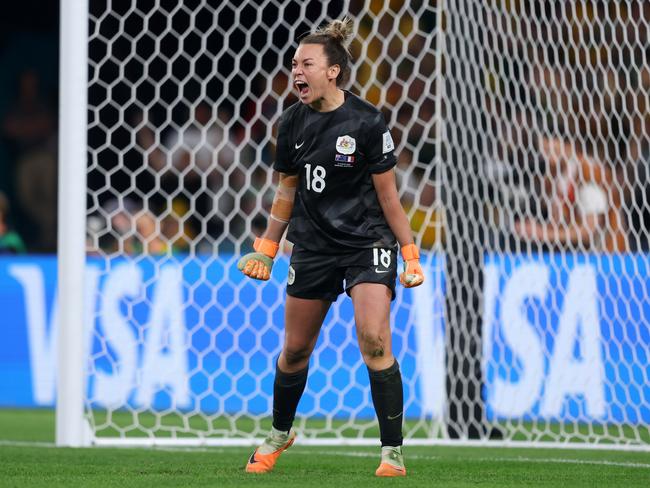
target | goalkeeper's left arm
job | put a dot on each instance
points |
(386, 189)
(258, 264)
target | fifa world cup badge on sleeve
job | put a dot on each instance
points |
(388, 144)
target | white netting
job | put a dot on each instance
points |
(546, 137)
(183, 97)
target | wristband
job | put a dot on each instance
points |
(410, 251)
(266, 246)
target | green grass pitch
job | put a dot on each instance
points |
(28, 458)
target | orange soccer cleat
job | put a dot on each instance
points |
(392, 462)
(265, 456)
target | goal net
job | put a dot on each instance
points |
(521, 135)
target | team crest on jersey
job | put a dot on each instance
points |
(346, 145)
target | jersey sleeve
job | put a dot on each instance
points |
(380, 149)
(283, 162)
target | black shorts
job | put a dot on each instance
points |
(321, 276)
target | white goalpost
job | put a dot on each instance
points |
(522, 132)
(71, 426)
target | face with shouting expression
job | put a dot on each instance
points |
(314, 78)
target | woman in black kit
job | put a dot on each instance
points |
(338, 197)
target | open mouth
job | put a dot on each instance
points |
(303, 88)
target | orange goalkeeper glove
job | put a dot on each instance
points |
(412, 275)
(258, 264)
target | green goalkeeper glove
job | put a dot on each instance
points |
(258, 264)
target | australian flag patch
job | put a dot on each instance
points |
(342, 158)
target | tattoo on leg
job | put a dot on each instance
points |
(378, 353)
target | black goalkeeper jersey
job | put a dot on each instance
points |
(335, 153)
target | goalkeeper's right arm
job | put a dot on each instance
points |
(258, 264)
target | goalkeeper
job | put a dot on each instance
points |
(337, 194)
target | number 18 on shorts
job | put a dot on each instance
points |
(315, 275)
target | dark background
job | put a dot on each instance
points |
(29, 38)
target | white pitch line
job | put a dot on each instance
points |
(519, 459)
(218, 450)
(26, 443)
(156, 448)
(623, 464)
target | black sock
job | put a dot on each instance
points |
(287, 390)
(388, 398)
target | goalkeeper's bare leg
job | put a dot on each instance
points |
(303, 321)
(372, 316)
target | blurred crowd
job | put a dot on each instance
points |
(29, 191)
(565, 136)
(197, 187)
(28, 126)
(568, 129)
